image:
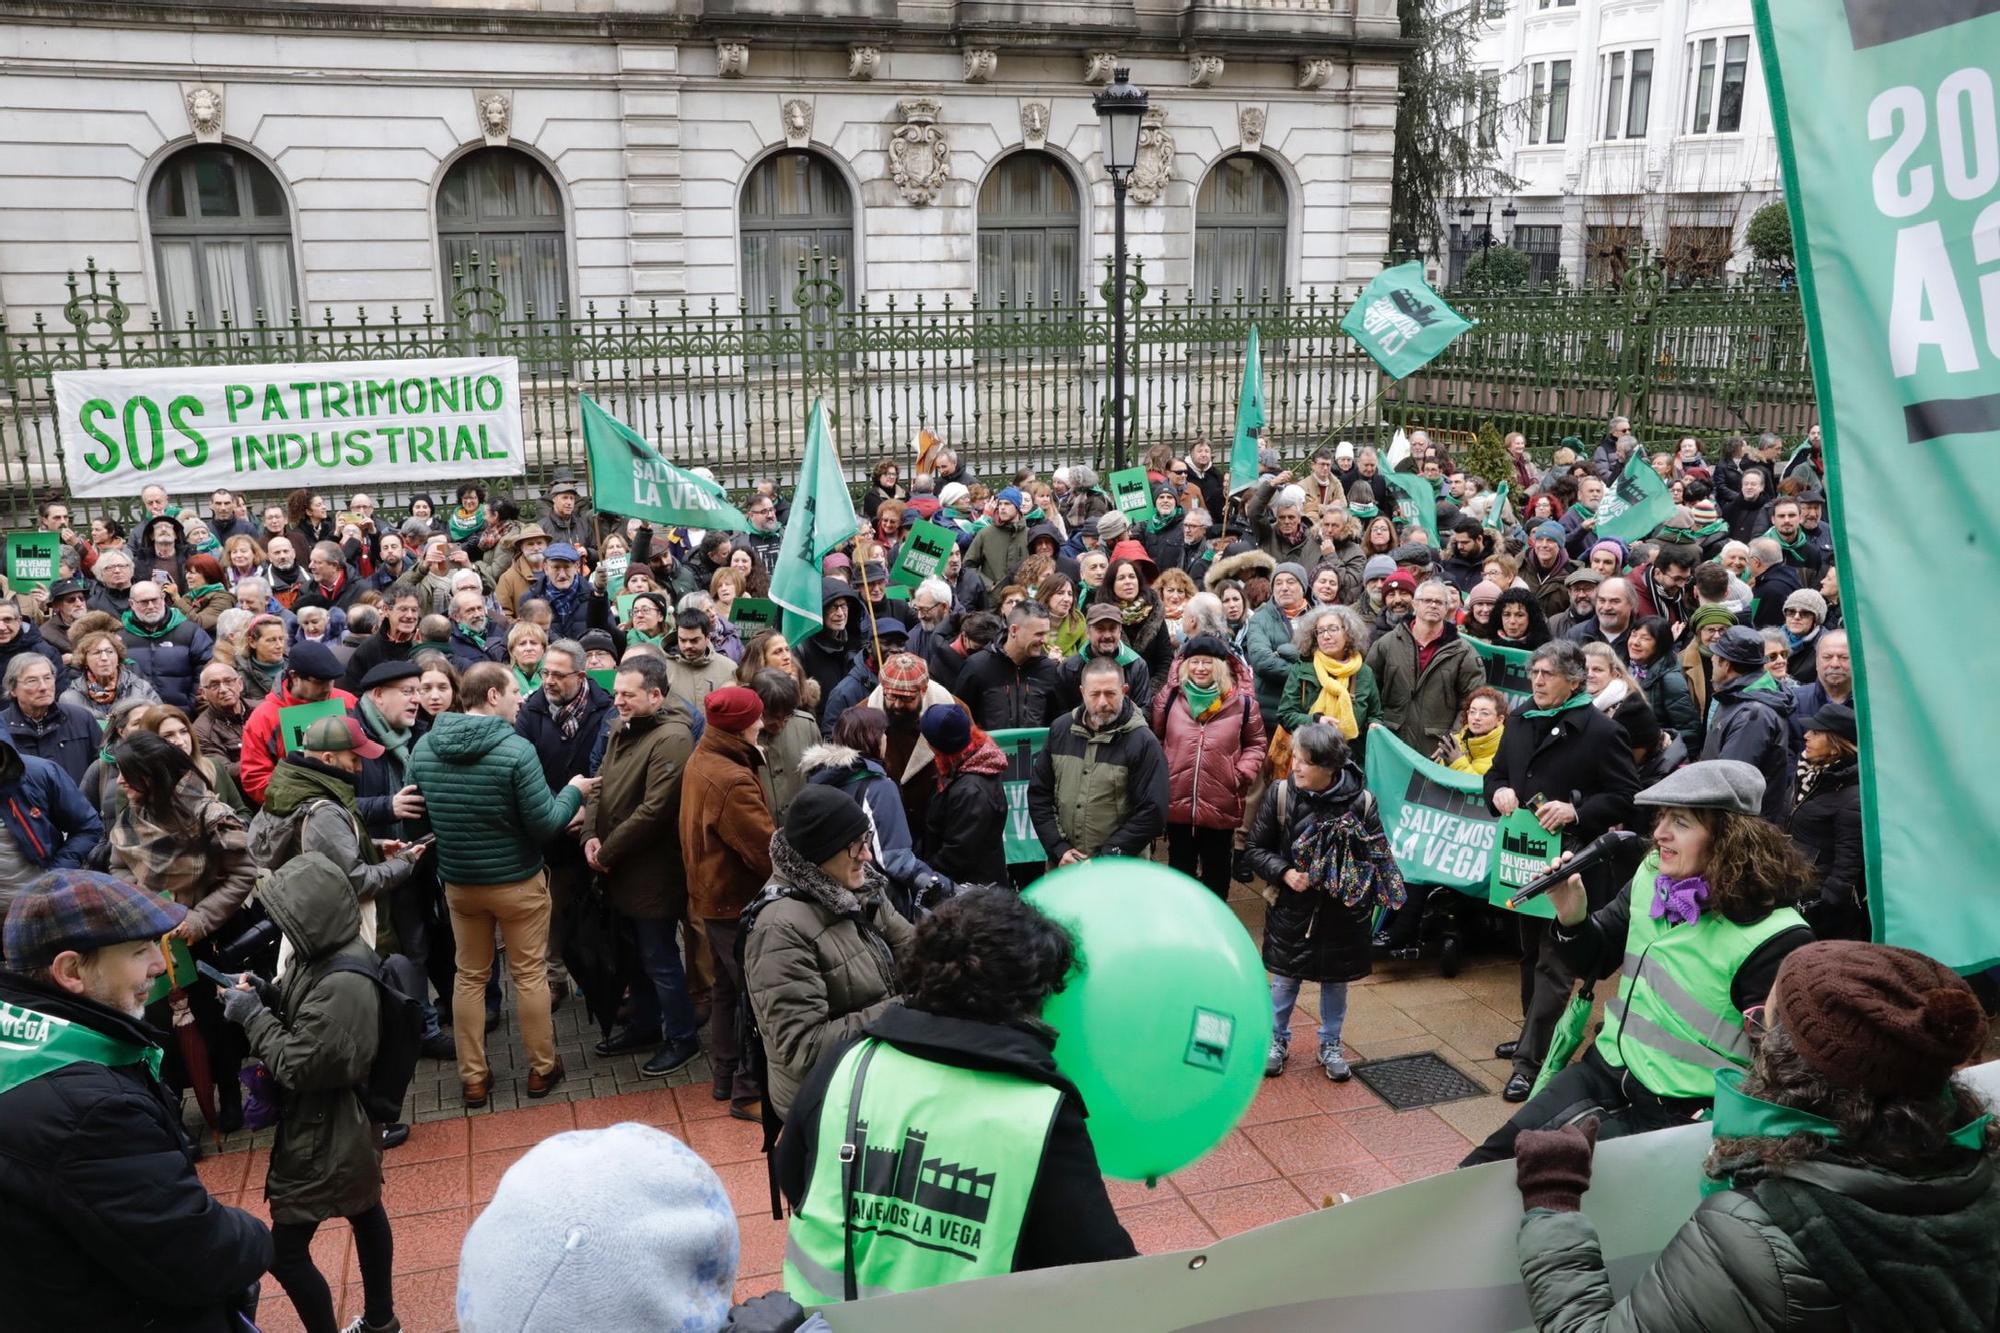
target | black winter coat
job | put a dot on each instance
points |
(103, 1222)
(1069, 1219)
(1749, 720)
(966, 823)
(563, 759)
(1579, 755)
(173, 661)
(1310, 935)
(1001, 696)
(1826, 828)
(67, 736)
(1769, 593)
(30, 640)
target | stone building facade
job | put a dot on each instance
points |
(228, 158)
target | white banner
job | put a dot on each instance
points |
(1437, 1254)
(338, 423)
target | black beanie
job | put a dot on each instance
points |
(823, 821)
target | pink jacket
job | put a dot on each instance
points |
(1211, 764)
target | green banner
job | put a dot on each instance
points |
(605, 679)
(293, 721)
(1020, 745)
(1438, 825)
(1885, 119)
(1506, 669)
(925, 551)
(1416, 503)
(1132, 493)
(750, 614)
(1636, 503)
(1526, 850)
(629, 478)
(32, 559)
(1496, 517)
(1401, 322)
(615, 570)
(822, 518)
(1250, 416)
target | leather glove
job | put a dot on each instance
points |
(1552, 1166)
(239, 1006)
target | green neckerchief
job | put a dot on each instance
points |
(209, 547)
(1161, 522)
(1797, 550)
(196, 594)
(1034, 516)
(529, 684)
(463, 529)
(1738, 1115)
(395, 740)
(1199, 701)
(1581, 699)
(633, 636)
(173, 621)
(1583, 511)
(478, 638)
(33, 1044)
(1694, 536)
(1363, 512)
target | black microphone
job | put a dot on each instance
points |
(1598, 851)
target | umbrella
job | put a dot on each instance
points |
(1567, 1038)
(193, 1048)
(597, 953)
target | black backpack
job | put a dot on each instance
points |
(398, 1046)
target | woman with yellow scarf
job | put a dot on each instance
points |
(1330, 682)
(1482, 721)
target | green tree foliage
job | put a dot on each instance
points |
(1486, 457)
(1769, 236)
(1439, 156)
(1496, 268)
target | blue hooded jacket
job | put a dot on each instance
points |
(51, 822)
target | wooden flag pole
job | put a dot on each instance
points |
(868, 604)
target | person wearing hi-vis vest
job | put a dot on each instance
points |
(1695, 942)
(942, 1144)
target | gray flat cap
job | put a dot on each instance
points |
(1739, 645)
(1712, 784)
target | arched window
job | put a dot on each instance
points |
(501, 204)
(1029, 223)
(795, 202)
(222, 238)
(1239, 230)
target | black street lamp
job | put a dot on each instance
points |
(1119, 109)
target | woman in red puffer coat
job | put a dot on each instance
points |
(1205, 714)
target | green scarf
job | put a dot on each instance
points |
(464, 529)
(1199, 701)
(1363, 512)
(196, 594)
(1582, 511)
(209, 547)
(173, 621)
(529, 684)
(1581, 699)
(33, 1044)
(266, 676)
(1797, 551)
(395, 740)
(1738, 1115)
(633, 636)
(1161, 522)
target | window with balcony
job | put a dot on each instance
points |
(1720, 69)
(222, 238)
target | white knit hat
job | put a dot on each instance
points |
(612, 1229)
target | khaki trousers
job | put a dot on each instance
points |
(521, 911)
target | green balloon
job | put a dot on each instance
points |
(1164, 1027)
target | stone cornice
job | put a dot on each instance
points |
(802, 30)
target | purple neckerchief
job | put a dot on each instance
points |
(1679, 900)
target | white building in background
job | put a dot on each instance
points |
(228, 158)
(1635, 122)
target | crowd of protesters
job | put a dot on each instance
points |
(517, 722)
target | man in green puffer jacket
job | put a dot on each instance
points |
(490, 806)
(1852, 1179)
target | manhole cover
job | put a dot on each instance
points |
(1409, 1081)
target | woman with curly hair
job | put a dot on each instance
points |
(1519, 621)
(769, 648)
(1708, 920)
(1851, 1182)
(883, 486)
(1329, 682)
(974, 982)
(104, 677)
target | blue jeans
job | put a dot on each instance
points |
(665, 1003)
(1332, 1008)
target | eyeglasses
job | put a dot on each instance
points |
(1774, 657)
(1757, 1022)
(1800, 612)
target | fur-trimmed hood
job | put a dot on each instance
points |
(1239, 566)
(828, 755)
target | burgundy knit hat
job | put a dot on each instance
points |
(732, 708)
(1886, 1021)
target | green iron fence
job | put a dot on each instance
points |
(1005, 386)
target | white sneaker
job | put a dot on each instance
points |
(1274, 1059)
(1330, 1061)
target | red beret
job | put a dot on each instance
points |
(733, 708)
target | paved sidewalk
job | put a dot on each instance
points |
(1303, 1144)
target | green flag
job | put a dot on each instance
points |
(1884, 117)
(1249, 418)
(1636, 503)
(1496, 517)
(1506, 668)
(629, 478)
(1418, 503)
(1401, 322)
(822, 518)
